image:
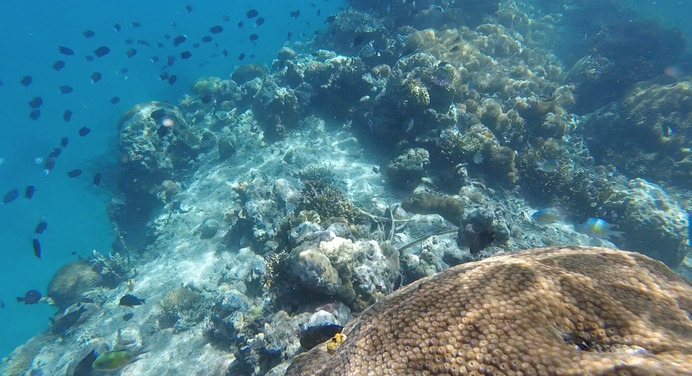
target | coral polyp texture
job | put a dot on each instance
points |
(557, 311)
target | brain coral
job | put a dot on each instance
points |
(549, 311)
(71, 281)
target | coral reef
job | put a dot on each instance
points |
(71, 281)
(156, 146)
(535, 311)
(180, 306)
(654, 222)
(653, 123)
(482, 227)
(355, 273)
(326, 200)
(624, 52)
(407, 170)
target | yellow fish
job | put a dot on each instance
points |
(116, 359)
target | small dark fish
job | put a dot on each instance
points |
(10, 196)
(136, 24)
(35, 114)
(50, 163)
(157, 114)
(131, 52)
(154, 59)
(180, 39)
(65, 321)
(64, 141)
(207, 98)
(67, 115)
(96, 77)
(65, 50)
(2, 304)
(188, 8)
(319, 12)
(162, 131)
(36, 102)
(115, 100)
(88, 33)
(29, 191)
(290, 34)
(195, 45)
(58, 65)
(259, 21)
(128, 316)
(102, 51)
(172, 79)
(159, 44)
(129, 300)
(241, 56)
(37, 248)
(66, 89)
(143, 42)
(89, 58)
(240, 24)
(295, 13)
(225, 52)
(206, 39)
(97, 179)
(55, 153)
(185, 55)
(254, 37)
(357, 40)
(74, 173)
(26, 80)
(117, 27)
(252, 13)
(30, 297)
(226, 18)
(83, 368)
(215, 29)
(124, 70)
(163, 76)
(170, 60)
(330, 19)
(41, 226)
(83, 131)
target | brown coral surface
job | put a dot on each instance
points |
(548, 311)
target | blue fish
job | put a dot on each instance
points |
(598, 228)
(545, 217)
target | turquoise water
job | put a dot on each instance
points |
(75, 209)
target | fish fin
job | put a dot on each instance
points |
(20, 299)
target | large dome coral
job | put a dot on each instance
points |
(557, 311)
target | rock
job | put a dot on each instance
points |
(208, 228)
(321, 326)
(227, 147)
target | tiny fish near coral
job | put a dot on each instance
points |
(598, 228)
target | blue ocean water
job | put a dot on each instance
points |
(74, 208)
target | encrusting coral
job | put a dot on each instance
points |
(564, 311)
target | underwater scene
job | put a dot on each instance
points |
(346, 187)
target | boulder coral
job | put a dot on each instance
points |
(356, 273)
(565, 311)
(71, 281)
